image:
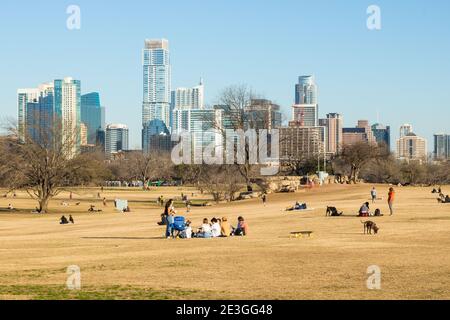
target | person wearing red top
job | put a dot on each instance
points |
(391, 197)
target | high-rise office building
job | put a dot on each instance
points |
(204, 126)
(262, 114)
(306, 115)
(189, 98)
(441, 146)
(40, 120)
(32, 95)
(411, 147)
(92, 115)
(333, 124)
(156, 137)
(306, 90)
(300, 143)
(382, 135)
(157, 81)
(361, 133)
(116, 139)
(405, 130)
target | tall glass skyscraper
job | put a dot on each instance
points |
(116, 139)
(441, 146)
(306, 90)
(92, 115)
(157, 81)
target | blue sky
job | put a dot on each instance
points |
(401, 72)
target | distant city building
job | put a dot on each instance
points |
(83, 134)
(361, 133)
(334, 125)
(441, 147)
(35, 96)
(204, 126)
(156, 137)
(306, 90)
(67, 104)
(300, 142)
(411, 147)
(262, 114)
(382, 134)
(306, 115)
(51, 106)
(92, 115)
(116, 139)
(189, 98)
(405, 130)
(156, 81)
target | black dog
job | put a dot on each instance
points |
(333, 212)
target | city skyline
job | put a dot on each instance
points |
(380, 72)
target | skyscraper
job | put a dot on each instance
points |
(67, 104)
(157, 81)
(305, 115)
(306, 90)
(361, 133)
(156, 137)
(116, 139)
(382, 134)
(92, 115)
(189, 98)
(333, 124)
(441, 146)
(262, 114)
(412, 147)
(405, 130)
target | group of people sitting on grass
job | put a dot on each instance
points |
(177, 227)
(64, 220)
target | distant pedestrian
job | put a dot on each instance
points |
(264, 199)
(391, 198)
(373, 194)
(104, 202)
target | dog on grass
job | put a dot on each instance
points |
(333, 212)
(370, 226)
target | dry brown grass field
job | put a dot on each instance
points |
(124, 256)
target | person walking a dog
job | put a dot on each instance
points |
(391, 198)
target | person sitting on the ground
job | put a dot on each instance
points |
(71, 219)
(434, 191)
(205, 230)
(10, 207)
(215, 228)
(63, 220)
(93, 209)
(364, 210)
(298, 206)
(242, 228)
(187, 232)
(225, 228)
(445, 199)
(127, 209)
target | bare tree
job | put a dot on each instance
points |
(43, 163)
(144, 167)
(357, 156)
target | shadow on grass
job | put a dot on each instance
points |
(125, 238)
(54, 292)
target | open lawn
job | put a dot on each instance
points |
(124, 256)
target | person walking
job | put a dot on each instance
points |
(373, 194)
(391, 197)
(264, 199)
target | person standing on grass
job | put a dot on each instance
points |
(373, 194)
(169, 213)
(264, 199)
(391, 197)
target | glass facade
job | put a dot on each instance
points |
(156, 81)
(92, 115)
